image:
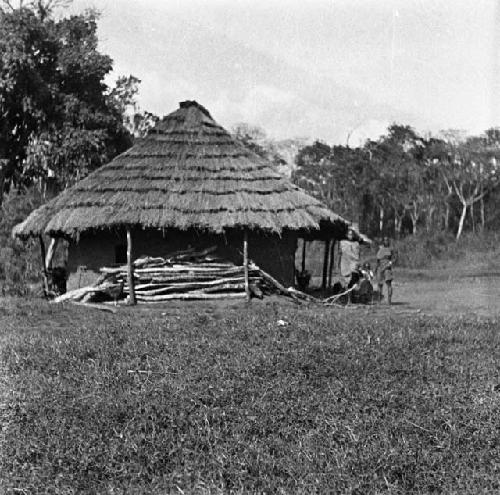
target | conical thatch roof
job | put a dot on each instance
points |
(187, 173)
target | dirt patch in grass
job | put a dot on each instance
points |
(228, 400)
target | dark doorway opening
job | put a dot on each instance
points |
(121, 254)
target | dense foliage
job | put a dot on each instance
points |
(20, 262)
(58, 118)
(228, 401)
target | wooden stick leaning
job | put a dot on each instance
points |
(281, 288)
(336, 297)
(82, 292)
(304, 296)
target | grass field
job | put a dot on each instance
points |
(219, 399)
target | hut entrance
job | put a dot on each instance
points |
(120, 254)
(317, 265)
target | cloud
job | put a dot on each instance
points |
(163, 95)
(177, 59)
(259, 100)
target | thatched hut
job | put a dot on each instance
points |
(189, 182)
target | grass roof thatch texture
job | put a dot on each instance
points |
(187, 173)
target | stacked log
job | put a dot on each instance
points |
(184, 275)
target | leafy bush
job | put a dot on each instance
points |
(20, 265)
(208, 401)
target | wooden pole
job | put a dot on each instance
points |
(50, 253)
(339, 255)
(325, 264)
(245, 263)
(303, 255)
(332, 262)
(130, 269)
(44, 267)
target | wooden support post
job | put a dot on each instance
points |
(44, 268)
(50, 253)
(339, 256)
(332, 261)
(303, 255)
(245, 264)
(130, 269)
(325, 264)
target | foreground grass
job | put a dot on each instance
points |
(213, 400)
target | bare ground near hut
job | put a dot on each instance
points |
(470, 287)
(467, 294)
(450, 290)
(466, 281)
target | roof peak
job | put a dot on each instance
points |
(189, 117)
(193, 103)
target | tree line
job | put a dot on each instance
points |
(60, 120)
(403, 182)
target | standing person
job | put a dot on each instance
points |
(385, 258)
(349, 260)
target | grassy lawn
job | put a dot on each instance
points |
(207, 399)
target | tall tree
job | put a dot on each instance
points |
(398, 159)
(314, 170)
(471, 170)
(124, 95)
(57, 116)
(340, 176)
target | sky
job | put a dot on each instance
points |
(337, 70)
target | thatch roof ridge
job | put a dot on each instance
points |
(188, 172)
